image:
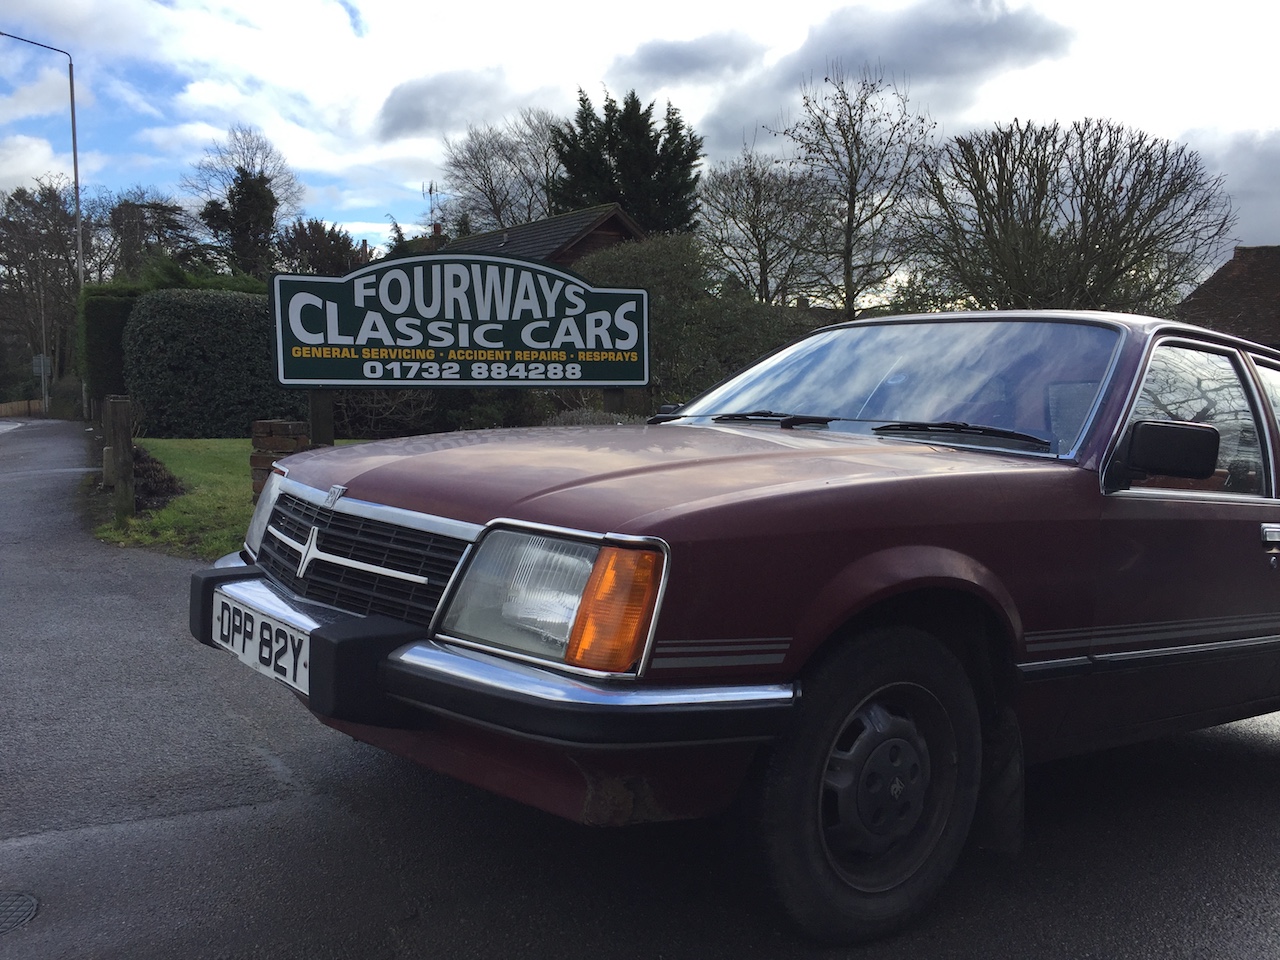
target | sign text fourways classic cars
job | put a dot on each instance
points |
(440, 319)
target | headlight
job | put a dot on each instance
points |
(581, 604)
(262, 514)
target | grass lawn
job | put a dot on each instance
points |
(209, 519)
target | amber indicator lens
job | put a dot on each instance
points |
(617, 608)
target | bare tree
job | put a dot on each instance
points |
(499, 176)
(764, 217)
(859, 136)
(1090, 216)
(38, 285)
(137, 227)
(215, 174)
(537, 164)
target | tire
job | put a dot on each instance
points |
(867, 801)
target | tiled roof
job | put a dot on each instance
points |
(1241, 298)
(561, 239)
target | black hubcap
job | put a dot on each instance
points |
(876, 782)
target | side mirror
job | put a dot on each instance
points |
(1168, 448)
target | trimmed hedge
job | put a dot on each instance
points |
(201, 363)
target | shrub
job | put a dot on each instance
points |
(201, 363)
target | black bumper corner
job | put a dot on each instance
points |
(203, 583)
(345, 651)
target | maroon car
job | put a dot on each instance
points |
(856, 586)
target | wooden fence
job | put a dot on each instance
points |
(22, 408)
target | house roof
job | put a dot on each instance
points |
(1241, 298)
(562, 239)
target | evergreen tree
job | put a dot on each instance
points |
(625, 157)
(243, 226)
(313, 246)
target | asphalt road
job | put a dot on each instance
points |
(160, 801)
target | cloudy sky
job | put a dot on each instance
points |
(358, 95)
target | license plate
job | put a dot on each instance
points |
(268, 645)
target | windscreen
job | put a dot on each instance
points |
(1038, 377)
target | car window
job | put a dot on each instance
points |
(1271, 383)
(1201, 386)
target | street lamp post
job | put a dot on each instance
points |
(75, 153)
(75, 169)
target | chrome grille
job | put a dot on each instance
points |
(388, 548)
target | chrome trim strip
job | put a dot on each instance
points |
(1045, 669)
(676, 663)
(519, 656)
(261, 594)
(307, 552)
(625, 539)
(754, 652)
(526, 680)
(1039, 646)
(1172, 493)
(446, 595)
(426, 522)
(1139, 633)
(669, 647)
(1189, 650)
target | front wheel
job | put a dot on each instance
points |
(867, 801)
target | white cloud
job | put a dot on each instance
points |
(23, 159)
(359, 94)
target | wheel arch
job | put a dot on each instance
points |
(949, 595)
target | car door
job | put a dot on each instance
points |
(1188, 595)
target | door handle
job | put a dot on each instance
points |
(1271, 540)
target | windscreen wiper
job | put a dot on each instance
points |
(957, 426)
(785, 420)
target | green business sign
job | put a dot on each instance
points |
(458, 320)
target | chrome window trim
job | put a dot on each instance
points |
(1202, 496)
(1271, 416)
(1242, 361)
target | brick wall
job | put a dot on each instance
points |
(273, 439)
